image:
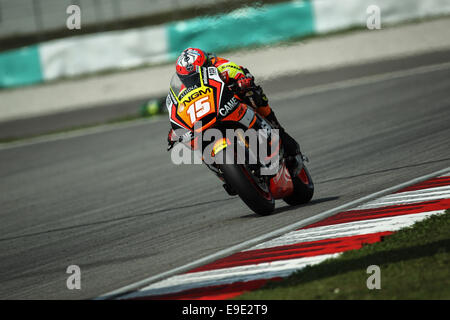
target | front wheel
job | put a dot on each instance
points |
(303, 189)
(253, 192)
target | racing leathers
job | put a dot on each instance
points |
(242, 81)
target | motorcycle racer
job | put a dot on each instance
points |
(242, 83)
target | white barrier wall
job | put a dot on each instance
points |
(112, 50)
(337, 15)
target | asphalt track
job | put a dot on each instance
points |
(112, 202)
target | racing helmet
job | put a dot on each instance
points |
(190, 59)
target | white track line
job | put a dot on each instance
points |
(408, 197)
(346, 229)
(265, 237)
(360, 81)
(281, 268)
(70, 134)
(266, 270)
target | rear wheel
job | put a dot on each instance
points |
(303, 189)
(251, 190)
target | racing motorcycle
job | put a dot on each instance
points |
(202, 101)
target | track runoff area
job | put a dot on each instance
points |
(347, 227)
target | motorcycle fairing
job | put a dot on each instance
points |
(281, 185)
(201, 96)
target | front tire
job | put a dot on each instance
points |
(243, 182)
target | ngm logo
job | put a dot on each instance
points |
(197, 94)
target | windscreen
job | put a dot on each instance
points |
(184, 84)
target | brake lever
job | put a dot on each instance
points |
(187, 137)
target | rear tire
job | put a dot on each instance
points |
(238, 177)
(303, 190)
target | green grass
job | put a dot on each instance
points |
(414, 264)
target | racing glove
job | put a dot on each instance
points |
(245, 83)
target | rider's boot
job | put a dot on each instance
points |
(293, 154)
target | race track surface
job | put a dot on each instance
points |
(114, 204)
